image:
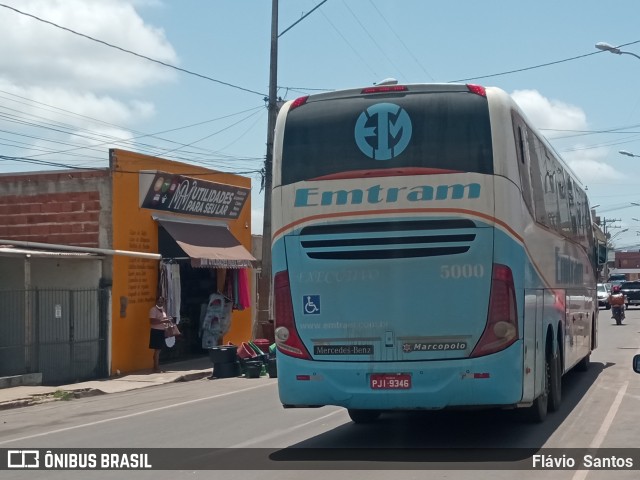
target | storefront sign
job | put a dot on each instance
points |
(194, 196)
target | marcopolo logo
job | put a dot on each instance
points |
(383, 131)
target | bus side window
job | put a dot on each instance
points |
(522, 150)
(551, 189)
(538, 179)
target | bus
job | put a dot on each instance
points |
(430, 250)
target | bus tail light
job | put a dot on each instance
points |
(298, 102)
(477, 89)
(502, 321)
(287, 339)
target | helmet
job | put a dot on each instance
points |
(615, 289)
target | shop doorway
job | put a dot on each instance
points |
(189, 291)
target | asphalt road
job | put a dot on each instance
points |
(601, 409)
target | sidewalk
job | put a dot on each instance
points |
(184, 371)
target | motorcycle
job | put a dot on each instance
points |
(617, 311)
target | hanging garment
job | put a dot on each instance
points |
(244, 296)
(174, 292)
(227, 290)
(169, 288)
(236, 296)
(162, 283)
(221, 275)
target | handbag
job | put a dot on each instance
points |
(172, 331)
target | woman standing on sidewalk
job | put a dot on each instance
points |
(159, 322)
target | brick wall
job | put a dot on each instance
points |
(627, 260)
(51, 208)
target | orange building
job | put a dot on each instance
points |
(150, 222)
(193, 216)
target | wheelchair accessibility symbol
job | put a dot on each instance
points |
(311, 304)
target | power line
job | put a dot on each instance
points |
(75, 167)
(72, 129)
(400, 40)
(160, 62)
(349, 44)
(301, 18)
(372, 38)
(537, 66)
(214, 133)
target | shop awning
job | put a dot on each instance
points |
(209, 245)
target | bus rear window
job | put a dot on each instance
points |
(434, 132)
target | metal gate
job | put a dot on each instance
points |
(59, 333)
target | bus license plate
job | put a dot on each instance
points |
(390, 381)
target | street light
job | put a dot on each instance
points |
(618, 233)
(610, 48)
(628, 154)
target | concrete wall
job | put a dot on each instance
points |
(77, 273)
(51, 273)
(11, 273)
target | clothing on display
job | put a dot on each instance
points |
(170, 288)
(216, 321)
(205, 324)
(236, 288)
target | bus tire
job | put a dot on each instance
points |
(363, 416)
(554, 376)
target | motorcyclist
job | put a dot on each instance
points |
(617, 299)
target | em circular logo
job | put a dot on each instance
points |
(383, 131)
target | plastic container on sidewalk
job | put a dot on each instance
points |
(262, 344)
(223, 353)
(272, 368)
(226, 370)
(246, 352)
(253, 369)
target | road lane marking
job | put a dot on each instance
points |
(273, 435)
(130, 415)
(608, 420)
(604, 428)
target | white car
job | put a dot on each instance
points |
(604, 290)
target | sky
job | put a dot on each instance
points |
(187, 80)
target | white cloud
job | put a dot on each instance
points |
(588, 163)
(53, 82)
(49, 102)
(549, 114)
(38, 54)
(592, 170)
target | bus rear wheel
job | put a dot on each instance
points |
(554, 375)
(363, 416)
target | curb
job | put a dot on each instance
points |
(58, 395)
(66, 395)
(193, 376)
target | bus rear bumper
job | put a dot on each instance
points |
(493, 380)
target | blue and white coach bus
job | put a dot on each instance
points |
(430, 250)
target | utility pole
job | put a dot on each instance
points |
(605, 222)
(265, 320)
